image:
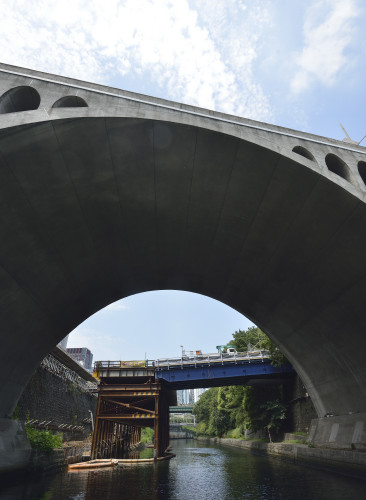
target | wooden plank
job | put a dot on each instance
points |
(133, 416)
(129, 405)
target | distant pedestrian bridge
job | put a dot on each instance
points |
(181, 409)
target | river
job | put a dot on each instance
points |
(199, 471)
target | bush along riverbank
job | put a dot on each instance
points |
(259, 418)
(254, 418)
(43, 440)
(239, 412)
(49, 452)
(261, 410)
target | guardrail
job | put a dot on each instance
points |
(124, 364)
(213, 358)
(187, 360)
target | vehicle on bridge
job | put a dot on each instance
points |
(190, 358)
(226, 349)
(213, 358)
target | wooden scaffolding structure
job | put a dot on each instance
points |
(129, 398)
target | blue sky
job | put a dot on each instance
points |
(156, 324)
(298, 64)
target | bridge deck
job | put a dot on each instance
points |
(229, 373)
(210, 370)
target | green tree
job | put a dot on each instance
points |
(253, 337)
(202, 409)
(245, 340)
(221, 411)
(273, 413)
(147, 435)
(219, 422)
(236, 408)
(230, 400)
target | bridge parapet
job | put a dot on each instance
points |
(213, 358)
(123, 369)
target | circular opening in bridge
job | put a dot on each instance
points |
(70, 101)
(362, 170)
(19, 99)
(303, 152)
(337, 166)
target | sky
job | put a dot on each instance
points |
(298, 64)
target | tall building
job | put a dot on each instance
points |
(82, 355)
(189, 396)
(198, 393)
(183, 397)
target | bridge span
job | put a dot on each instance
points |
(135, 394)
(209, 370)
(106, 193)
(215, 370)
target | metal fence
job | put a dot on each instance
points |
(212, 359)
(190, 358)
(54, 366)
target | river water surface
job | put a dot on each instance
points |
(199, 471)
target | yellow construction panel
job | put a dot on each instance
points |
(129, 364)
(145, 393)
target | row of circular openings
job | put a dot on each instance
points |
(27, 98)
(334, 164)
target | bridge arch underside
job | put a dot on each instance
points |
(96, 209)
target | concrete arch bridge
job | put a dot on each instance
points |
(105, 193)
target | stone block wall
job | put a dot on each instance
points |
(301, 410)
(48, 397)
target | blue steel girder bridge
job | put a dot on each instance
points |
(213, 370)
(136, 394)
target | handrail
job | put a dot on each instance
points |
(191, 359)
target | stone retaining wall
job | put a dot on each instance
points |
(300, 410)
(347, 462)
(60, 404)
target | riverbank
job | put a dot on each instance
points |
(348, 462)
(60, 457)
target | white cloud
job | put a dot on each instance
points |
(327, 34)
(116, 306)
(237, 29)
(99, 343)
(200, 53)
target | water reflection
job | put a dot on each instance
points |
(139, 454)
(198, 471)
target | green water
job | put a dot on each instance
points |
(199, 471)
